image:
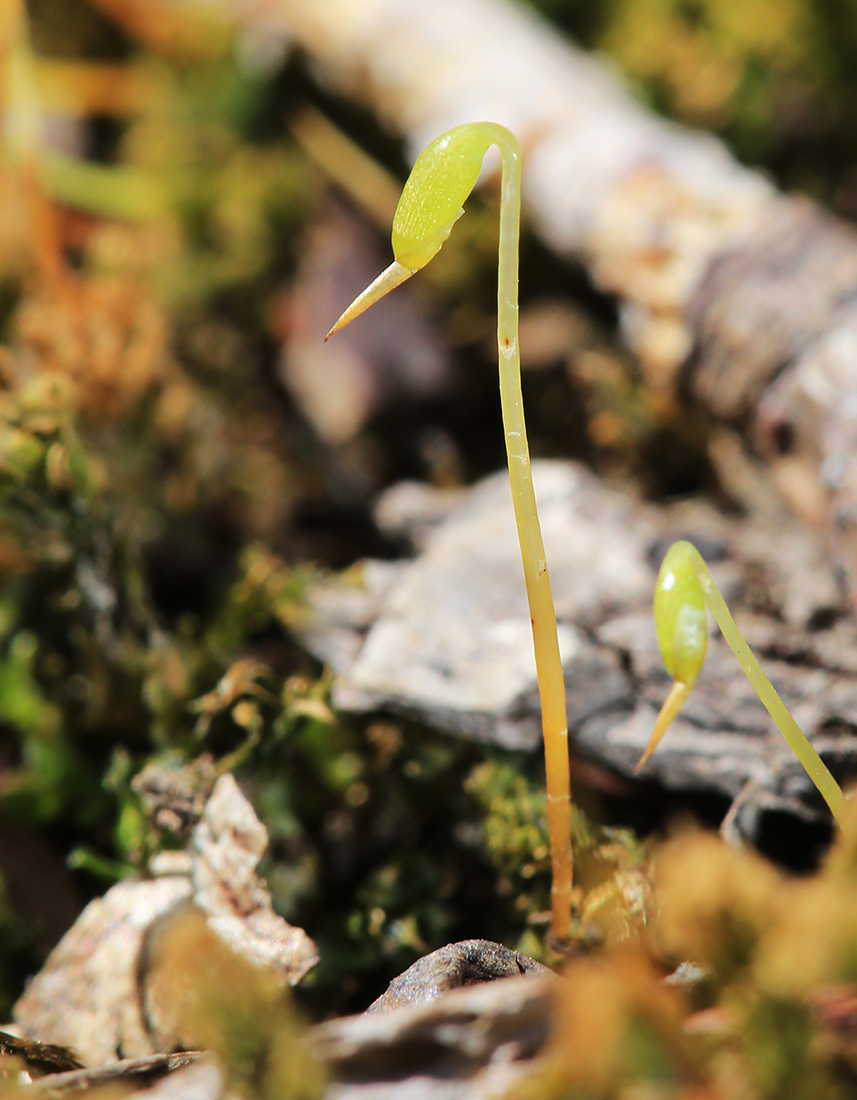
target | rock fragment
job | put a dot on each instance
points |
(445, 637)
(90, 994)
(470, 962)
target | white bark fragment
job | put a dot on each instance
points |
(651, 208)
(643, 201)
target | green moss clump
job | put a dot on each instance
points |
(611, 889)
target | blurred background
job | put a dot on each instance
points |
(185, 208)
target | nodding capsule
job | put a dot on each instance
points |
(680, 619)
(431, 203)
(443, 176)
(682, 629)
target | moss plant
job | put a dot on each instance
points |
(684, 588)
(442, 178)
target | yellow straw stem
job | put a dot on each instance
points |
(542, 614)
(442, 178)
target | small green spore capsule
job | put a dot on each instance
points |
(680, 618)
(443, 176)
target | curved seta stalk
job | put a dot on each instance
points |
(442, 178)
(684, 588)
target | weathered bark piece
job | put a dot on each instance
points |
(37, 1059)
(774, 324)
(470, 962)
(86, 996)
(471, 1043)
(451, 643)
(146, 1073)
(713, 269)
(226, 849)
(796, 263)
(92, 991)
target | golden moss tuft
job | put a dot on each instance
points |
(201, 995)
(714, 904)
(105, 335)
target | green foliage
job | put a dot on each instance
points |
(365, 820)
(233, 205)
(515, 825)
(710, 60)
(775, 77)
(93, 675)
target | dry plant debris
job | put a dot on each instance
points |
(105, 990)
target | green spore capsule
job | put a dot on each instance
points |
(682, 629)
(433, 199)
(680, 619)
(431, 203)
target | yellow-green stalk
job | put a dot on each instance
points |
(442, 178)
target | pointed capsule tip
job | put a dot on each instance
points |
(672, 705)
(644, 759)
(388, 280)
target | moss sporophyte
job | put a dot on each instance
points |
(431, 203)
(683, 591)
